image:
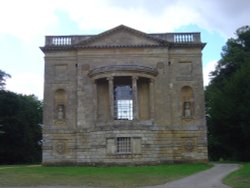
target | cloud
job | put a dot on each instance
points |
(159, 16)
(29, 20)
(103, 15)
(26, 19)
(26, 83)
(222, 16)
(207, 69)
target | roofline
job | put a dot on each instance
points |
(105, 33)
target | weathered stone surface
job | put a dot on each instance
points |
(80, 118)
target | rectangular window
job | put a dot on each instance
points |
(123, 145)
(124, 109)
(123, 98)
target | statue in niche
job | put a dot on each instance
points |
(187, 109)
(60, 112)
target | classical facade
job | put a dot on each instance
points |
(124, 97)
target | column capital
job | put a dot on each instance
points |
(135, 77)
(110, 78)
(152, 80)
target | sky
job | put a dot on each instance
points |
(24, 25)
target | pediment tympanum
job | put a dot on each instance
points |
(121, 36)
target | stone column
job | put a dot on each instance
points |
(95, 99)
(151, 98)
(135, 98)
(111, 97)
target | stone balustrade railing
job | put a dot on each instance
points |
(64, 40)
(180, 38)
(183, 37)
(170, 37)
(58, 41)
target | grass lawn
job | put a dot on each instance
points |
(239, 178)
(96, 176)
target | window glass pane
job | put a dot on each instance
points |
(123, 92)
(123, 101)
(124, 109)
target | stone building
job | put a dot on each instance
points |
(124, 97)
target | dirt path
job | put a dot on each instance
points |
(211, 178)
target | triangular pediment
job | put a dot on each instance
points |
(121, 36)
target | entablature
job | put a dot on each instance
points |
(123, 70)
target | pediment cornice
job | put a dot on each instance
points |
(121, 36)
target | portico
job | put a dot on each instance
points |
(128, 86)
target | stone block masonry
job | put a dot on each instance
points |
(124, 97)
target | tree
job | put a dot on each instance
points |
(3, 76)
(228, 101)
(20, 117)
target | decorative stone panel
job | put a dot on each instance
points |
(61, 72)
(59, 147)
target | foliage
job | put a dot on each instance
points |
(20, 116)
(239, 178)
(228, 101)
(3, 76)
(96, 176)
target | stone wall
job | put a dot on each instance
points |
(148, 147)
(78, 125)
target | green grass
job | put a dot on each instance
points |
(96, 176)
(239, 178)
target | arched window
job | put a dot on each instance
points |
(187, 103)
(60, 104)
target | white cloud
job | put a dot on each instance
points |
(26, 83)
(102, 15)
(221, 16)
(29, 20)
(26, 19)
(207, 69)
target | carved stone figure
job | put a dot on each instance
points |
(60, 112)
(187, 109)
